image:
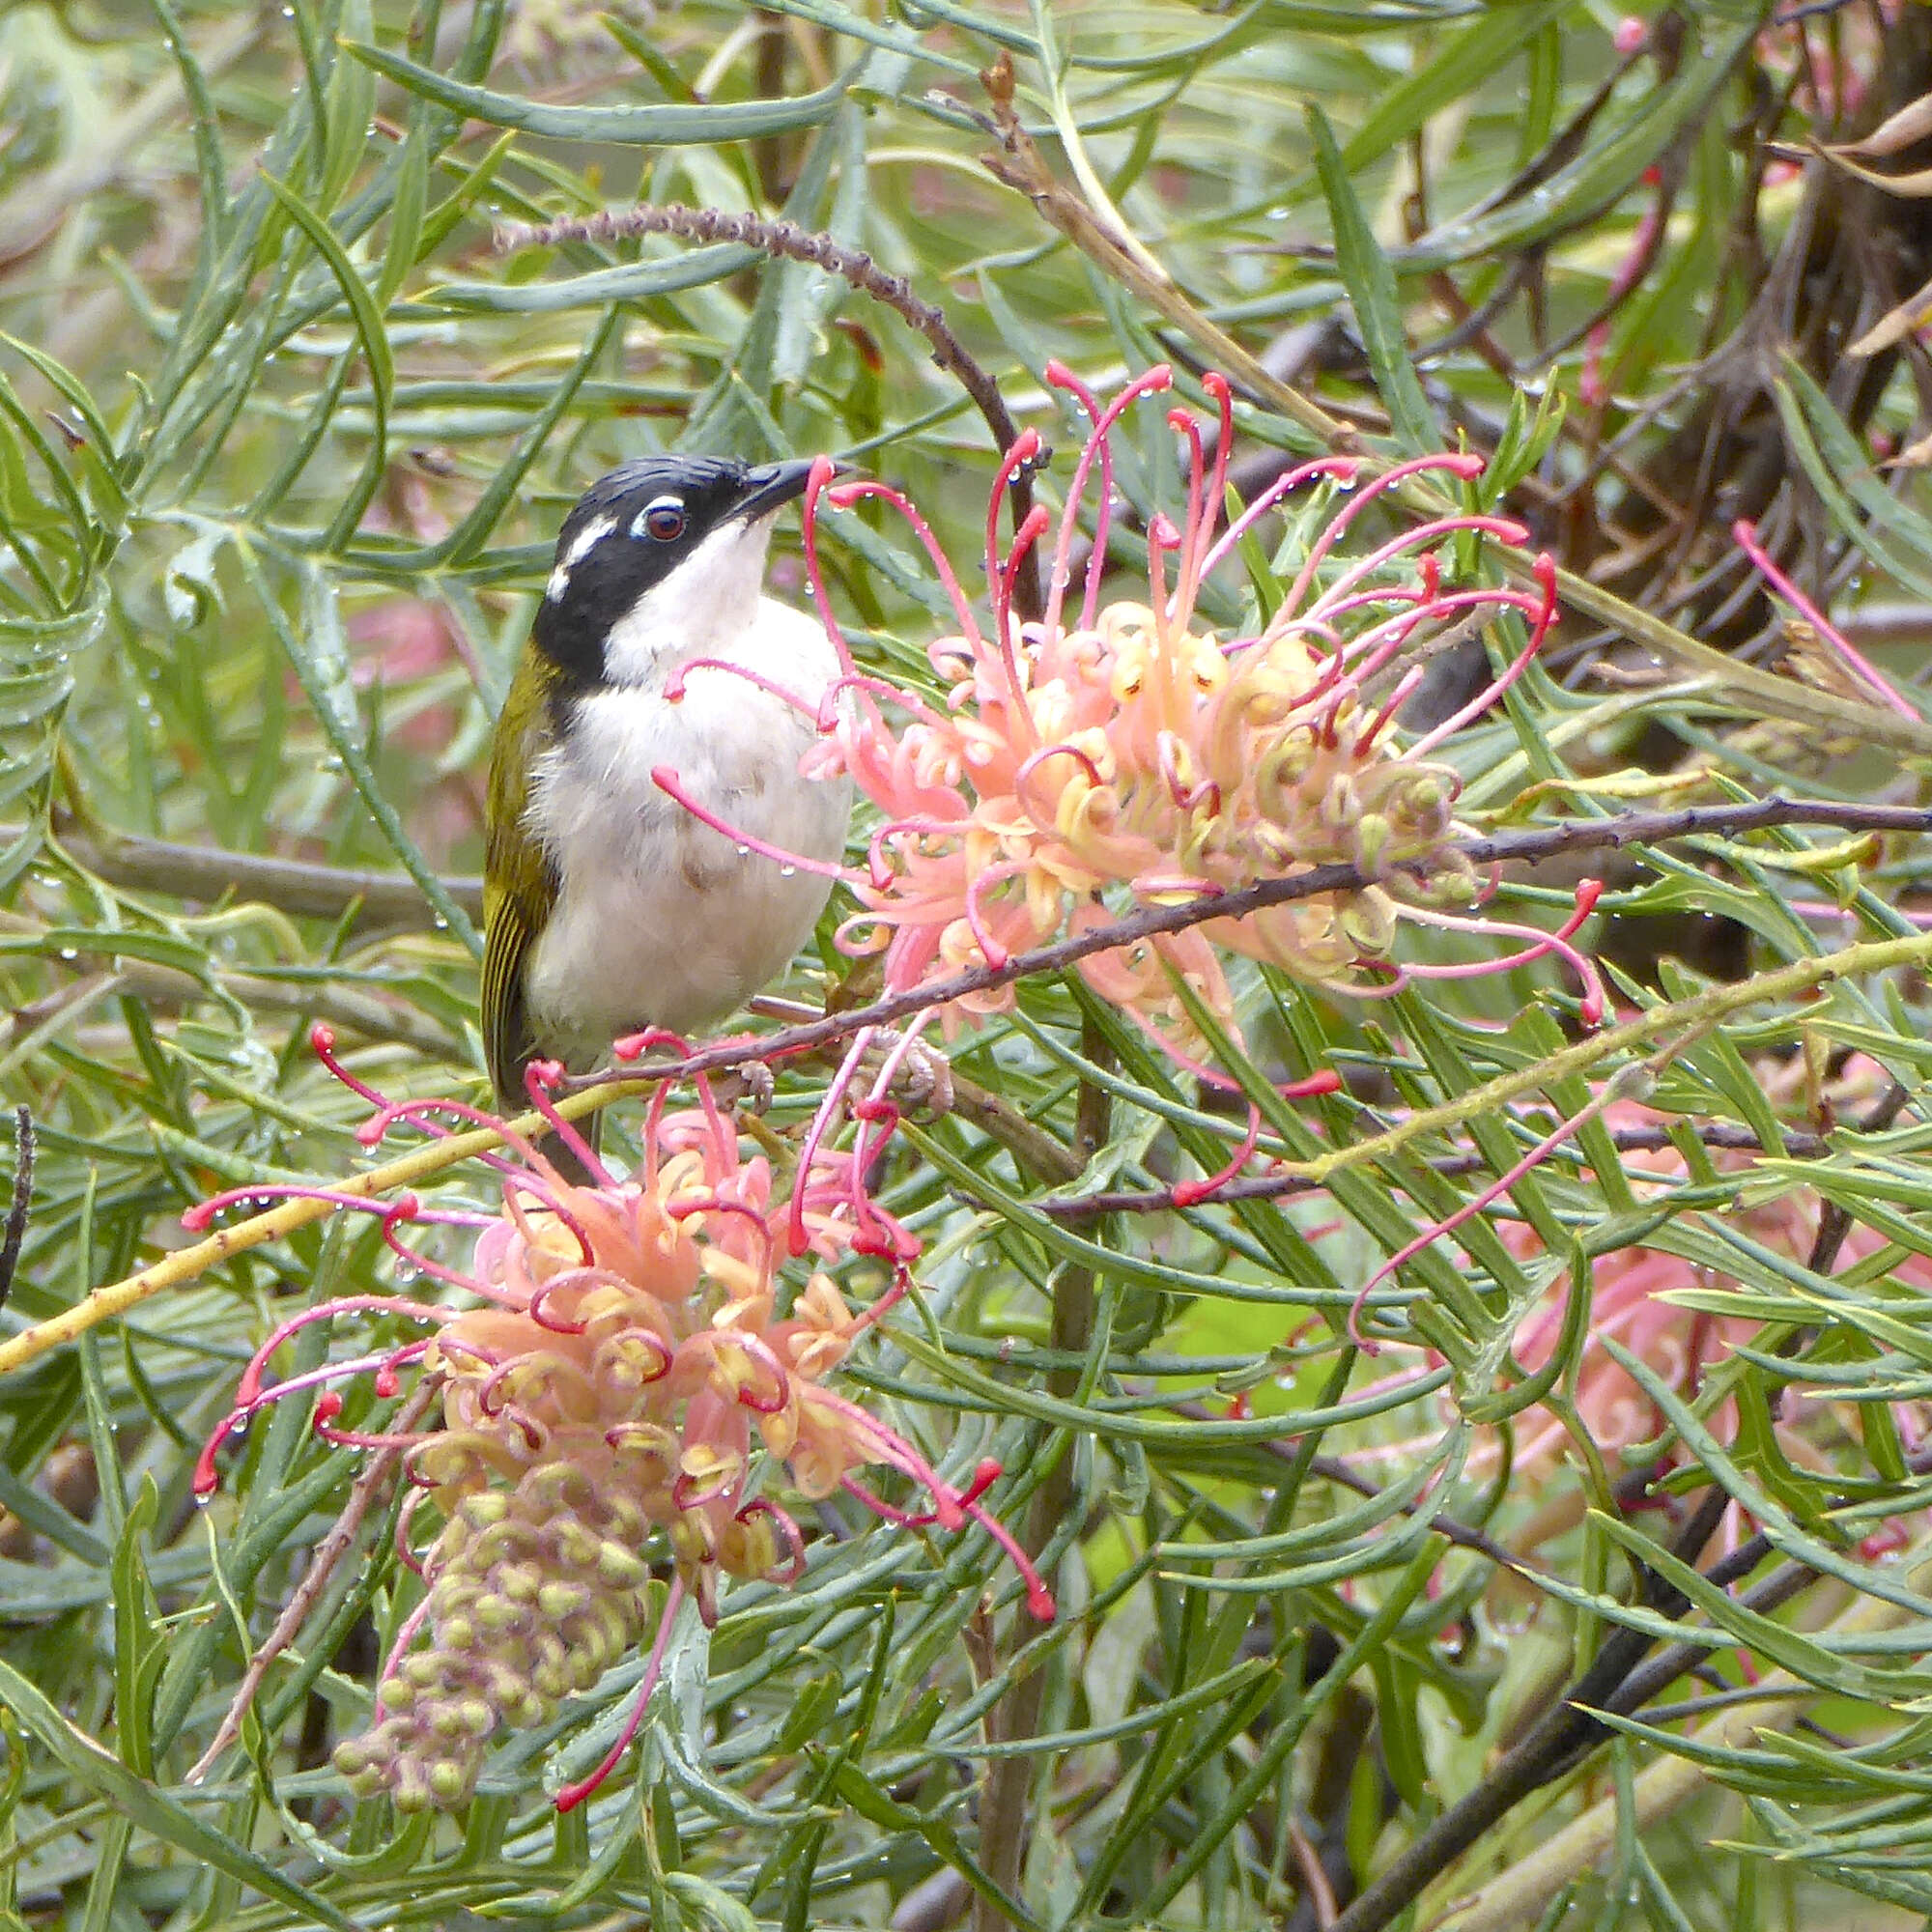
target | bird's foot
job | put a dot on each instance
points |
(924, 1082)
(761, 1085)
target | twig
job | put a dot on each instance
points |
(23, 1199)
(1707, 1007)
(295, 886)
(795, 243)
(1003, 1810)
(328, 1554)
(1550, 1747)
(1019, 165)
(345, 1007)
(1720, 1134)
(1517, 1897)
(1834, 1222)
(1520, 848)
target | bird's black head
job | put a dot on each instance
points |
(665, 548)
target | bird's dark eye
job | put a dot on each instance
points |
(663, 517)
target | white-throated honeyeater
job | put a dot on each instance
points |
(609, 906)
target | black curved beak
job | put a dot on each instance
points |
(770, 485)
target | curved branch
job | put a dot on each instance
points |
(794, 244)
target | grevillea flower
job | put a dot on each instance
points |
(1638, 1301)
(611, 1380)
(1631, 1300)
(1084, 764)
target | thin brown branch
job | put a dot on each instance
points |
(1018, 163)
(1510, 849)
(211, 874)
(1003, 1833)
(1720, 1134)
(794, 244)
(370, 1482)
(23, 1199)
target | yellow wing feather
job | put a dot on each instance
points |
(519, 886)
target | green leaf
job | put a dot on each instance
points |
(151, 1811)
(1372, 292)
(662, 125)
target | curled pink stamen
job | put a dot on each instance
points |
(674, 685)
(1546, 577)
(1537, 1154)
(1467, 465)
(793, 1570)
(539, 1077)
(1338, 469)
(847, 494)
(329, 1407)
(714, 1203)
(1148, 381)
(1542, 944)
(822, 472)
(321, 1043)
(667, 781)
(1191, 1193)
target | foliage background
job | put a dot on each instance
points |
(282, 446)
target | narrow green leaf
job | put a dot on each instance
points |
(375, 353)
(1372, 290)
(151, 1811)
(661, 124)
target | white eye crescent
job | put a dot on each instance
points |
(662, 518)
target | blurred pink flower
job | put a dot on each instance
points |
(1678, 1345)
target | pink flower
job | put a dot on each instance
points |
(622, 1364)
(1084, 764)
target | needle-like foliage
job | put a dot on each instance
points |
(1312, 1313)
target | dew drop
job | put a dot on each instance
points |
(744, 851)
(787, 872)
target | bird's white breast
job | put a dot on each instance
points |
(659, 919)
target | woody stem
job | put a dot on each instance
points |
(1002, 1806)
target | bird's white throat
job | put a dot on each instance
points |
(700, 609)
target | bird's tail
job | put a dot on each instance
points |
(565, 1159)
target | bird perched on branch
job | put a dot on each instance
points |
(656, 660)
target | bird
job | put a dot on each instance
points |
(610, 906)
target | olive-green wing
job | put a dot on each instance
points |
(520, 886)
